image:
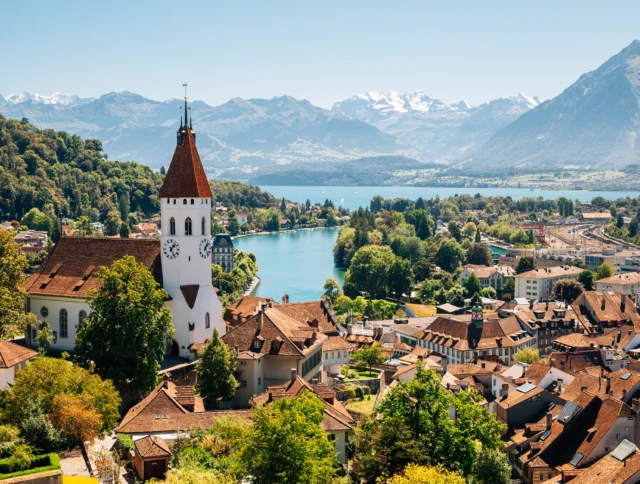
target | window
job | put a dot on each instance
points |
(243, 383)
(259, 380)
(192, 201)
(332, 437)
(184, 202)
(207, 321)
(44, 312)
(164, 416)
(157, 416)
(172, 226)
(81, 315)
(203, 232)
(64, 319)
(187, 226)
(174, 201)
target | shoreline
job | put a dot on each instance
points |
(284, 231)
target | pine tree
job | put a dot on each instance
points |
(217, 371)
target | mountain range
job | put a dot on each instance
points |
(595, 122)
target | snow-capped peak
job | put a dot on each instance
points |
(55, 98)
(529, 101)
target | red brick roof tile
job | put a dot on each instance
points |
(186, 176)
(11, 354)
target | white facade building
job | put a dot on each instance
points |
(539, 283)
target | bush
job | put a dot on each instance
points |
(20, 459)
(8, 433)
(125, 444)
(359, 393)
(40, 463)
(38, 432)
(351, 393)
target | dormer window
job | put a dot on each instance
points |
(256, 345)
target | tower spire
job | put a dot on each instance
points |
(185, 102)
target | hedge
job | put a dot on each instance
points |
(40, 463)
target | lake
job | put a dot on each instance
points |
(293, 263)
(355, 197)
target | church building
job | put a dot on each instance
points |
(180, 262)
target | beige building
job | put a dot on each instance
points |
(628, 283)
(513, 256)
(609, 256)
(494, 276)
(539, 283)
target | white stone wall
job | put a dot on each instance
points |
(7, 376)
(54, 305)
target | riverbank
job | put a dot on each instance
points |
(252, 286)
(302, 229)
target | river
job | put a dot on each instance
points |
(293, 263)
(354, 197)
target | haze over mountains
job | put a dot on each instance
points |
(595, 122)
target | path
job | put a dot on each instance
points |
(252, 286)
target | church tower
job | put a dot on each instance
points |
(185, 212)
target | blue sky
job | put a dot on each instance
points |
(323, 51)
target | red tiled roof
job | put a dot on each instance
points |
(336, 343)
(11, 354)
(186, 176)
(151, 446)
(70, 269)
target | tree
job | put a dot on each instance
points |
(124, 230)
(343, 304)
(519, 237)
(567, 289)
(162, 170)
(424, 405)
(587, 279)
(469, 230)
(472, 284)
(216, 371)
(40, 382)
(525, 264)
(454, 230)
(289, 428)
(369, 270)
(491, 467)
(234, 224)
(449, 255)
(283, 205)
(13, 320)
(112, 223)
(376, 203)
(530, 237)
(488, 292)
(76, 416)
(370, 355)
(413, 249)
(479, 254)
(332, 290)
(125, 333)
(527, 355)
(381, 309)
(415, 474)
(455, 296)
(44, 338)
(478, 238)
(427, 290)
(620, 221)
(36, 220)
(604, 270)
(400, 277)
(509, 286)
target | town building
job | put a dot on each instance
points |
(243, 309)
(336, 353)
(512, 257)
(151, 458)
(615, 259)
(463, 340)
(628, 283)
(539, 283)
(179, 261)
(223, 252)
(31, 241)
(269, 345)
(13, 358)
(494, 276)
(242, 217)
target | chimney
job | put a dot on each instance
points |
(237, 348)
(260, 321)
(623, 303)
(636, 405)
(559, 386)
(315, 385)
(619, 333)
(285, 299)
(294, 373)
(531, 304)
(549, 419)
(607, 379)
(483, 365)
(624, 392)
(270, 303)
(165, 378)
(546, 308)
(563, 363)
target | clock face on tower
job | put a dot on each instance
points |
(205, 248)
(171, 249)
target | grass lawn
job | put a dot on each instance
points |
(362, 374)
(364, 406)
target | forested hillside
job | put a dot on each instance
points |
(62, 174)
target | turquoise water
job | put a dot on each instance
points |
(355, 197)
(293, 263)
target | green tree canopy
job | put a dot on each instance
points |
(400, 277)
(449, 255)
(491, 467)
(370, 355)
(369, 270)
(332, 290)
(567, 289)
(587, 279)
(37, 220)
(13, 320)
(216, 370)
(472, 285)
(604, 270)
(289, 428)
(125, 333)
(525, 264)
(479, 254)
(527, 355)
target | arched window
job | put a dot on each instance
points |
(64, 323)
(187, 226)
(174, 201)
(172, 226)
(184, 201)
(82, 315)
(203, 226)
(192, 201)
(207, 321)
